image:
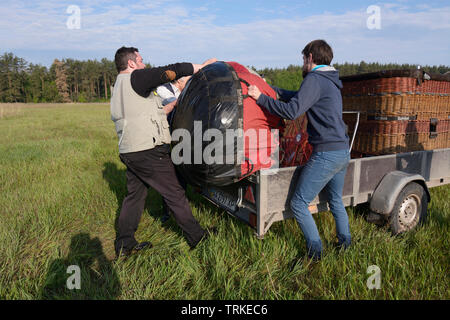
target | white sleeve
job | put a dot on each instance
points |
(164, 93)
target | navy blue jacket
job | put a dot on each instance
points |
(320, 97)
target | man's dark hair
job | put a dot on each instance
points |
(123, 55)
(320, 50)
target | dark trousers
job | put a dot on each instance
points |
(153, 168)
(183, 184)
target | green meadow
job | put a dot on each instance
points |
(61, 188)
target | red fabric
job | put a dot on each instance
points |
(261, 121)
(292, 141)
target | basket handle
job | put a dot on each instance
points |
(433, 128)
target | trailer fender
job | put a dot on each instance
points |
(387, 191)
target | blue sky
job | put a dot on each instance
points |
(261, 33)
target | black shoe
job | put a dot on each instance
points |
(166, 212)
(165, 218)
(142, 245)
(303, 260)
(208, 232)
(297, 261)
(124, 253)
(341, 246)
(212, 231)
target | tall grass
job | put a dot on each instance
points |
(61, 187)
(10, 109)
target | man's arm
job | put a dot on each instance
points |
(169, 106)
(304, 99)
(143, 81)
(197, 67)
(284, 95)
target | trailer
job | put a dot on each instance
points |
(395, 186)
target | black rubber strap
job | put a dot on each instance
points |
(221, 79)
(245, 96)
(251, 168)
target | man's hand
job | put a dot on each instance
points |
(204, 64)
(209, 61)
(169, 107)
(254, 92)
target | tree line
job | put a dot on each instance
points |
(291, 77)
(67, 80)
(70, 80)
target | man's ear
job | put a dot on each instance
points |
(132, 64)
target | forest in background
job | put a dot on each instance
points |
(70, 80)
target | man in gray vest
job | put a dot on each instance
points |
(144, 146)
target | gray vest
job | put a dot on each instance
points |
(141, 123)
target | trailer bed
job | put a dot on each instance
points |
(263, 198)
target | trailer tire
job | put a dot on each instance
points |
(410, 209)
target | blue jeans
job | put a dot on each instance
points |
(324, 170)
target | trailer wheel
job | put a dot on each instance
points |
(410, 208)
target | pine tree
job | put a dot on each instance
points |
(91, 80)
(61, 80)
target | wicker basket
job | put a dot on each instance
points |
(420, 106)
(396, 81)
(375, 137)
(392, 85)
(387, 144)
(401, 110)
(402, 93)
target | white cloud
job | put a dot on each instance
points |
(176, 12)
(169, 32)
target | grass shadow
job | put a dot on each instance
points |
(98, 278)
(116, 179)
(438, 216)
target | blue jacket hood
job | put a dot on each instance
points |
(331, 74)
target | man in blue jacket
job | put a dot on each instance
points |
(320, 97)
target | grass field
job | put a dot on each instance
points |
(61, 187)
